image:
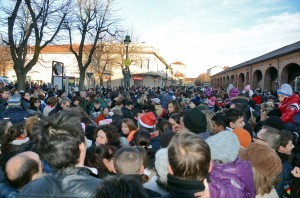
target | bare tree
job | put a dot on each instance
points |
(92, 20)
(36, 21)
(5, 59)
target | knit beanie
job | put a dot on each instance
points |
(233, 92)
(247, 88)
(243, 136)
(208, 91)
(195, 120)
(195, 101)
(148, 120)
(224, 146)
(211, 102)
(230, 86)
(263, 158)
(14, 101)
(275, 122)
(285, 90)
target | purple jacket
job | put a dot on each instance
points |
(232, 180)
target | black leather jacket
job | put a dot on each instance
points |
(71, 182)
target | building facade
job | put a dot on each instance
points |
(266, 72)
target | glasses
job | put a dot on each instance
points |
(255, 137)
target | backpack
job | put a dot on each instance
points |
(296, 118)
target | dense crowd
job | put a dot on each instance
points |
(149, 142)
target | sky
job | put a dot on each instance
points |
(205, 33)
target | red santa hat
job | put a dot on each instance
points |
(148, 120)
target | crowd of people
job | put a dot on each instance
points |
(149, 142)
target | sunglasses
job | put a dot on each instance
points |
(255, 137)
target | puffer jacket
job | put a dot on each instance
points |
(70, 182)
(15, 114)
(232, 180)
(289, 107)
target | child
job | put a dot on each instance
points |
(128, 126)
(4, 96)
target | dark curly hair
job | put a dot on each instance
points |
(13, 132)
(112, 135)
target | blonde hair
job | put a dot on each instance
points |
(30, 122)
(209, 114)
(263, 184)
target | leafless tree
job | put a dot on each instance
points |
(92, 21)
(31, 21)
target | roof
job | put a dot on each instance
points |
(178, 74)
(62, 48)
(295, 47)
(190, 79)
(177, 63)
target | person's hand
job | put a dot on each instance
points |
(296, 172)
(205, 193)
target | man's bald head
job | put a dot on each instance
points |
(22, 168)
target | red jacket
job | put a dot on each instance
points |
(289, 107)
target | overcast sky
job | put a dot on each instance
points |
(205, 33)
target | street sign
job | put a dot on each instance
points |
(127, 62)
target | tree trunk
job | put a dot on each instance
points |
(101, 80)
(21, 77)
(82, 78)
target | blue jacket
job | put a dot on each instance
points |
(6, 190)
(15, 114)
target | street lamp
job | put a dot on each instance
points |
(126, 71)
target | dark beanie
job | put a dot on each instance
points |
(195, 120)
(274, 122)
(274, 112)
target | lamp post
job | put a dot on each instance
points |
(126, 71)
(166, 76)
(89, 75)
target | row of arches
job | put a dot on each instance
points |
(270, 80)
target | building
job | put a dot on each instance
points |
(147, 66)
(179, 72)
(267, 71)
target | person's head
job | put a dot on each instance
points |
(123, 186)
(161, 165)
(193, 103)
(268, 136)
(52, 101)
(30, 122)
(23, 168)
(224, 147)
(266, 166)
(26, 95)
(234, 118)
(61, 93)
(218, 123)
(128, 126)
(195, 120)
(175, 122)
(162, 125)
(286, 142)
(147, 121)
(14, 132)
(83, 94)
(141, 138)
(174, 107)
(65, 103)
(97, 104)
(5, 93)
(285, 91)
(100, 157)
(209, 114)
(35, 103)
(108, 134)
(4, 126)
(75, 100)
(128, 160)
(60, 140)
(128, 104)
(189, 157)
(105, 111)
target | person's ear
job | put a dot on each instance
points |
(210, 166)
(170, 169)
(232, 125)
(280, 148)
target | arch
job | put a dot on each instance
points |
(227, 81)
(241, 83)
(224, 82)
(271, 79)
(220, 84)
(232, 79)
(257, 79)
(289, 73)
(236, 80)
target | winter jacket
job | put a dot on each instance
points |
(25, 103)
(15, 114)
(165, 100)
(223, 176)
(6, 190)
(285, 177)
(179, 188)
(69, 182)
(289, 107)
(127, 113)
